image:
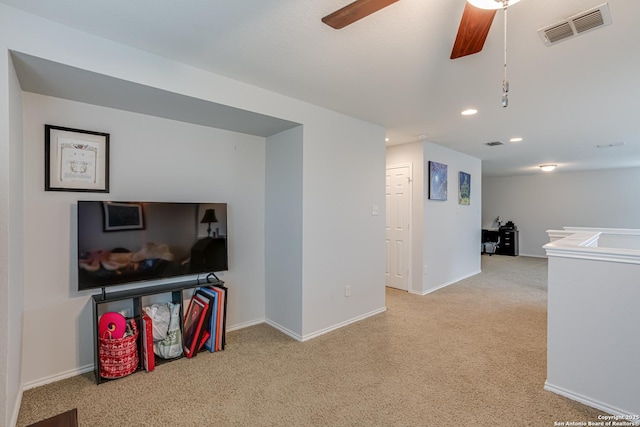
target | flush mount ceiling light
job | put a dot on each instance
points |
(548, 167)
(469, 112)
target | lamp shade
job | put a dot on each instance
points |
(491, 4)
(209, 216)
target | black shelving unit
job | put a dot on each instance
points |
(136, 296)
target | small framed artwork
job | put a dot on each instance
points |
(464, 188)
(437, 181)
(75, 160)
(123, 216)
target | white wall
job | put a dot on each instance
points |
(7, 395)
(344, 244)
(151, 159)
(343, 176)
(593, 346)
(283, 250)
(607, 198)
(11, 271)
(452, 232)
(446, 236)
(16, 223)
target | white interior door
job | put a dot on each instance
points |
(398, 200)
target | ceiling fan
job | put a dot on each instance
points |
(354, 12)
(472, 32)
(475, 24)
(474, 27)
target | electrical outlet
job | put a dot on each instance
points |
(347, 291)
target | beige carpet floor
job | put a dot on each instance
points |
(471, 354)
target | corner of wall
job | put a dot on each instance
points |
(283, 231)
(452, 232)
(11, 253)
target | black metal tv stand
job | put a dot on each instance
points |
(135, 296)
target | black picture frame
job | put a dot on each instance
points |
(75, 160)
(437, 181)
(121, 216)
(464, 188)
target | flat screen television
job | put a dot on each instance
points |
(128, 242)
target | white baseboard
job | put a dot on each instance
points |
(245, 324)
(58, 377)
(283, 330)
(625, 415)
(444, 285)
(16, 409)
(342, 324)
(534, 256)
(316, 334)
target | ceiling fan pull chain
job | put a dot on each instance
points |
(505, 81)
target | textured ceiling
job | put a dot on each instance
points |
(393, 69)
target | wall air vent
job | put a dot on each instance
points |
(576, 25)
(494, 143)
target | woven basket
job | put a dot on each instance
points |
(119, 356)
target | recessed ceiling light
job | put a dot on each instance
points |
(386, 139)
(469, 112)
(548, 167)
(516, 139)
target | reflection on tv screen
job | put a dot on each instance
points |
(126, 242)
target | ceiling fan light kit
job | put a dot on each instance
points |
(492, 4)
(476, 21)
(473, 30)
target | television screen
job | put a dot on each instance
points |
(126, 242)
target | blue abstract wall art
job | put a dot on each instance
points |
(437, 181)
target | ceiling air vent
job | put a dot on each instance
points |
(576, 25)
(557, 33)
(590, 20)
(494, 143)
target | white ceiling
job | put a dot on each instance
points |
(392, 68)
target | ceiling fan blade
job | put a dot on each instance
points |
(473, 30)
(354, 11)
